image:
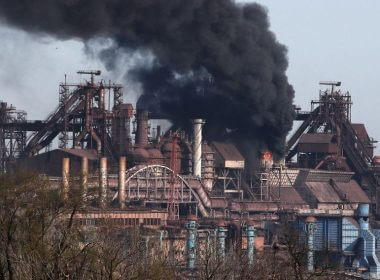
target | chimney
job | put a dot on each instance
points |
(158, 136)
(142, 128)
(197, 147)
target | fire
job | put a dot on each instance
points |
(267, 156)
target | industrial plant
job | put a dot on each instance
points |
(133, 170)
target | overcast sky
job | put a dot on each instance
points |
(335, 40)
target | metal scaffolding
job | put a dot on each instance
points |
(331, 115)
(12, 137)
(90, 114)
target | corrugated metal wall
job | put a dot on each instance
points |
(320, 236)
(350, 234)
(334, 234)
(328, 235)
(376, 232)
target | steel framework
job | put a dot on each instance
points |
(12, 138)
(332, 114)
(90, 114)
(153, 184)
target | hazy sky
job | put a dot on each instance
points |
(326, 40)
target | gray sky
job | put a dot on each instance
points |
(326, 39)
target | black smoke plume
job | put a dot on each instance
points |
(213, 59)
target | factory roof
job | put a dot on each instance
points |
(228, 155)
(228, 151)
(206, 149)
(324, 175)
(313, 138)
(337, 192)
(323, 192)
(353, 192)
(287, 195)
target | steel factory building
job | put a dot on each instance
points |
(134, 171)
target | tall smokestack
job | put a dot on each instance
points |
(158, 136)
(142, 128)
(197, 147)
(122, 168)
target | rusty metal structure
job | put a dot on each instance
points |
(83, 120)
(12, 134)
(181, 185)
(328, 140)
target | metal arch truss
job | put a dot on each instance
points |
(152, 184)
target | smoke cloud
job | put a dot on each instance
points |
(213, 59)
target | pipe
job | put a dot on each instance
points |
(197, 147)
(310, 228)
(367, 251)
(142, 128)
(79, 138)
(98, 141)
(191, 243)
(101, 103)
(202, 209)
(93, 135)
(158, 136)
(222, 233)
(103, 182)
(250, 243)
(204, 200)
(84, 177)
(65, 178)
(122, 169)
(203, 196)
(363, 214)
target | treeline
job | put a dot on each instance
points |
(41, 239)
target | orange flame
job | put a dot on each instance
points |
(267, 156)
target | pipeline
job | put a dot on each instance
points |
(222, 234)
(98, 141)
(84, 177)
(191, 243)
(250, 243)
(196, 184)
(367, 254)
(121, 193)
(310, 228)
(103, 182)
(202, 209)
(65, 178)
